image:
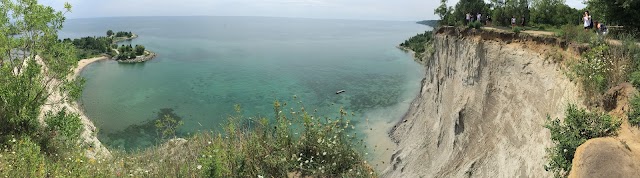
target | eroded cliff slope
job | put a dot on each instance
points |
(482, 107)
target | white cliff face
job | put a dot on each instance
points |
(481, 111)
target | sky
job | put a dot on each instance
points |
(399, 10)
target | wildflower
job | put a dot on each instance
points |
(199, 167)
(324, 153)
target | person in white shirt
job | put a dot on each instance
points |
(587, 21)
(468, 18)
(479, 17)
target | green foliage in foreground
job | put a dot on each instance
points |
(421, 44)
(634, 114)
(578, 126)
(296, 144)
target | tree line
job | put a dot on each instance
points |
(129, 52)
(542, 12)
(119, 34)
(94, 46)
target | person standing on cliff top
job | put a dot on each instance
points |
(587, 21)
(467, 19)
(479, 17)
(513, 22)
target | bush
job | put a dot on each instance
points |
(474, 24)
(577, 127)
(592, 70)
(634, 113)
(517, 30)
(575, 34)
(297, 143)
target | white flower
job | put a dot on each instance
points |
(199, 167)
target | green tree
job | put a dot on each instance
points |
(24, 85)
(468, 6)
(167, 126)
(617, 12)
(502, 11)
(444, 13)
(139, 50)
(109, 33)
(553, 12)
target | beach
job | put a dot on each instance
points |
(84, 63)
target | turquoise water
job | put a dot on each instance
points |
(206, 65)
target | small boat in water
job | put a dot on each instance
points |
(340, 91)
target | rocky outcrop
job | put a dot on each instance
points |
(482, 107)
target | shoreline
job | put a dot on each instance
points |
(83, 63)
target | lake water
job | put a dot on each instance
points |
(206, 65)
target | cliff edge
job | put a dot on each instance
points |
(482, 107)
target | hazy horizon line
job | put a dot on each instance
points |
(312, 18)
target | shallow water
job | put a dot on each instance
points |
(206, 65)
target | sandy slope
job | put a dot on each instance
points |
(57, 101)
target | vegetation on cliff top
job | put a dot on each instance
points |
(421, 44)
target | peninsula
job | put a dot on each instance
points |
(107, 47)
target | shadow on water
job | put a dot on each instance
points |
(140, 136)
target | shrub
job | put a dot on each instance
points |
(592, 70)
(474, 24)
(575, 34)
(634, 78)
(517, 30)
(296, 143)
(634, 114)
(577, 127)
